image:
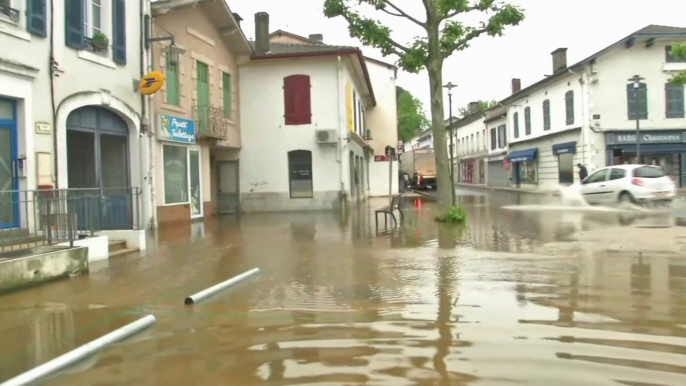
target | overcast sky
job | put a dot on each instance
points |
(484, 70)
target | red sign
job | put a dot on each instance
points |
(506, 164)
(380, 158)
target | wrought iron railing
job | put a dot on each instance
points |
(33, 218)
(212, 122)
(11, 13)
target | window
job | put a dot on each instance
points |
(673, 59)
(172, 81)
(354, 111)
(297, 100)
(226, 91)
(483, 136)
(527, 172)
(617, 174)
(569, 107)
(502, 136)
(527, 121)
(477, 144)
(637, 99)
(599, 176)
(546, 114)
(674, 96)
(649, 172)
(516, 124)
(175, 174)
(300, 173)
(92, 20)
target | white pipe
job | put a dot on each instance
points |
(204, 294)
(81, 353)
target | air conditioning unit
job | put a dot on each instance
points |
(326, 136)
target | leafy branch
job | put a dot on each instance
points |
(679, 51)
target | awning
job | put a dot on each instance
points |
(523, 155)
(564, 148)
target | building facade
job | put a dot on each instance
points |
(196, 115)
(575, 116)
(498, 167)
(305, 128)
(471, 147)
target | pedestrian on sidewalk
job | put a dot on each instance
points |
(583, 172)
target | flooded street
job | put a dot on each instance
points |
(528, 292)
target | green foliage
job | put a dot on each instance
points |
(100, 38)
(411, 117)
(483, 106)
(453, 36)
(680, 52)
(454, 214)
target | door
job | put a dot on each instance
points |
(9, 205)
(228, 194)
(595, 189)
(203, 80)
(195, 185)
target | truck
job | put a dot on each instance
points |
(420, 167)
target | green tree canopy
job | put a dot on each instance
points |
(680, 52)
(445, 29)
(411, 117)
(483, 106)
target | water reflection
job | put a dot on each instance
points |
(514, 297)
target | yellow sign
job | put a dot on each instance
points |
(151, 83)
(349, 106)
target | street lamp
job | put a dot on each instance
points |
(450, 86)
(636, 81)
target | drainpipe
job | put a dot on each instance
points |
(146, 66)
(51, 67)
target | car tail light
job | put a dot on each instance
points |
(637, 182)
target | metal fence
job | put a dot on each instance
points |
(33, 218)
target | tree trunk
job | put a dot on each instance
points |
(434, 66)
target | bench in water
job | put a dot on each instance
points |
(389, 211)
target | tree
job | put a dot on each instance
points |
(679, 51)
(443, 35)
(483, 106)
(411, 117)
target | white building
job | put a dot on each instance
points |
(585, 113)
(471, 147)
(306, 130)
(76, 123)
(496, 129)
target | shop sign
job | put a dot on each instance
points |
(506, 164)
(646, 137)
(151, 83)
(301, 172)
(175, 129)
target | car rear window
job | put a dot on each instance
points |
(648, 172)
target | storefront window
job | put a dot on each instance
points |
(669, 163)
(175, 174)
(527, 172)
(566, 168)
(196, 198)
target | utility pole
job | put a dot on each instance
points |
(450, 86)
(636, 81)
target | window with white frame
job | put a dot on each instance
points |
(92, 17)
(9, 11)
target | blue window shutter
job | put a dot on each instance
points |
(73, 22)
(119, 31)
(36, 17)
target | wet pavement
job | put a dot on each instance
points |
(529, 292)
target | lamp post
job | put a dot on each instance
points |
(636, 81)
(450, 86)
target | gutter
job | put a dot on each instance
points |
(338, 53)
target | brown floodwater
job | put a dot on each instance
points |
(515, 297)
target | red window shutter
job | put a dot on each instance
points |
(297, 100)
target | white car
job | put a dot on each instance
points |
(628, 184)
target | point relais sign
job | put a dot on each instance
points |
(176, 129)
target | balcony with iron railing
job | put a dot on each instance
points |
(38, 218)
(9, 13)
(212, 122)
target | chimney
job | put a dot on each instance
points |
(238, 19)
(559, 59)
(516, 85)
(473, 107)
(319, 38)
(262, 33)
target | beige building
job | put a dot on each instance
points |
(196, 114)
